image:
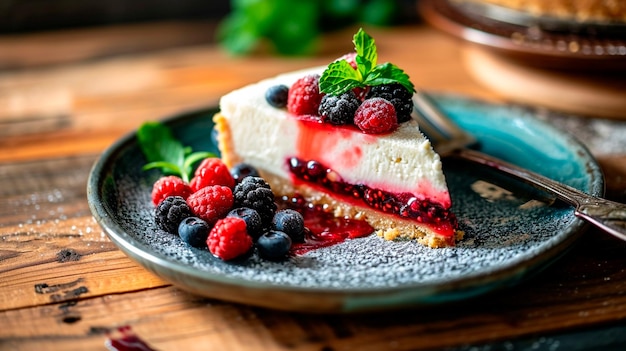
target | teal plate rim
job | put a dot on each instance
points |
(512, 133)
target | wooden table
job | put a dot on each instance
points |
(66, 96)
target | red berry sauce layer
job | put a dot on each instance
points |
(322, 228)
(404, 205)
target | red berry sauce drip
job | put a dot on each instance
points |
(322, 228)
(127, 341)
(403, 205)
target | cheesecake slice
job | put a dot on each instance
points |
(394, 181)
(342, 138)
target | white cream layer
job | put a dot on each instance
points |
(265, 137)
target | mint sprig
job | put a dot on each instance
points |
(339, 77)
(163, 151)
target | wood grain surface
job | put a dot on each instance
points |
(65, 286)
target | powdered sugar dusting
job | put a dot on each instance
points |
(516, 230)
(498, 233)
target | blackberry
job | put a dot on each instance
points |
(242, 170)
(291, 223)
(339, 109)
(170, 212)
(255, 193)
(277, 95)
(254, 225)
(398, 95)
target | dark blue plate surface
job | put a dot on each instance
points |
(510, 230)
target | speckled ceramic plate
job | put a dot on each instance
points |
(510, 232)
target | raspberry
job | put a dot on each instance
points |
(212, 171)
(304, 96)
(169, 186)
(170, 212)
(276, 95)
(376, 116)
(254, 225)
(361, 93)
(255, 193)
(339, 109)
(398, 95)
(350, 58)
(211, 203)
(229, 239)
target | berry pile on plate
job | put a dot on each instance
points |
(228, 211)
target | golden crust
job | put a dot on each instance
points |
(386, 227)
(224, 141)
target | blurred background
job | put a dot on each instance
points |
(243, 23)
(62, 62)
(18, 16)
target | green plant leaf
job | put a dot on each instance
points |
(294, 27)
(191, 159)
(158, 144)
(365, 48)
(164, 152)
(165, 167)
(388, 73)
(338, 78)
(379, 12)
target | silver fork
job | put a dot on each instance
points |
(450, 140)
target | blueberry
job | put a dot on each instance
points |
(277, 95)
(274, 245)
(254, 225)
(242, 170)
(194, 231)
(291, 223)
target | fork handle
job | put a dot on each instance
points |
(607, 215)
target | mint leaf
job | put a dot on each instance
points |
(338, 78)
(388, 73)
(158, 144)
(365, 48)
(165, 152)
(192, 158)
(165, 167)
